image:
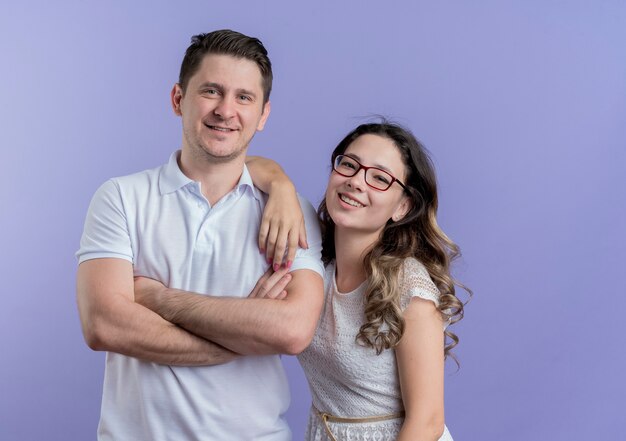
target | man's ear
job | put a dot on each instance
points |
(266, 113)
(176, 96)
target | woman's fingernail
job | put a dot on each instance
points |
(276, 267)
(288, 264)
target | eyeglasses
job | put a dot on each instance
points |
(378, 179)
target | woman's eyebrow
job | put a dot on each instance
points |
(380, 166)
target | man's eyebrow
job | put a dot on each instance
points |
(380, 166)
(246, 92)
(209, 84)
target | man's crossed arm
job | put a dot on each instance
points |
(244, 325)
(181, 328)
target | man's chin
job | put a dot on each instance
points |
(223, 156)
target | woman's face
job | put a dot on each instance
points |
(352, 203)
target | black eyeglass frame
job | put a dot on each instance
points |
(339, 158)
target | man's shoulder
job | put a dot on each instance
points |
(129, 187)
(307, 207)
(304, 202)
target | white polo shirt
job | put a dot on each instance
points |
(159, 220)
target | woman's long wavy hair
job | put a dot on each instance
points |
(416, 235)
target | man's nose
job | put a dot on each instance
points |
(225, 108)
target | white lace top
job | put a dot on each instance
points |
(350, 380)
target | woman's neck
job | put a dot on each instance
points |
(350, 250)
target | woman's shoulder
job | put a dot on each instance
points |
(411, 264)
(415, 281)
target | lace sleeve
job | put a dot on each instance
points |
(416, 282)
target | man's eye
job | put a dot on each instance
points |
(245, 98)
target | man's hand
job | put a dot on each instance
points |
(272, 285)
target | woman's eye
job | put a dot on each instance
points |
(347, 164)
(382, 178)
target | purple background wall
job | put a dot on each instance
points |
(523, 105)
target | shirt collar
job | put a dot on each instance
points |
(246, 182)
(172, 178)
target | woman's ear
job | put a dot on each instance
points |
(405, 206)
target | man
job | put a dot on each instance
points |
(210, 372)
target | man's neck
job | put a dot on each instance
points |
(216, 178)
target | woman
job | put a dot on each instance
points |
(376, 364)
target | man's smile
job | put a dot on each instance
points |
(220, 129)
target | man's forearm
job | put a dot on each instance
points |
(248, 326)
(112, 321)
(143, 334)
(181, 348)
(243, 325)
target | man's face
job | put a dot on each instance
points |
(222, 107)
